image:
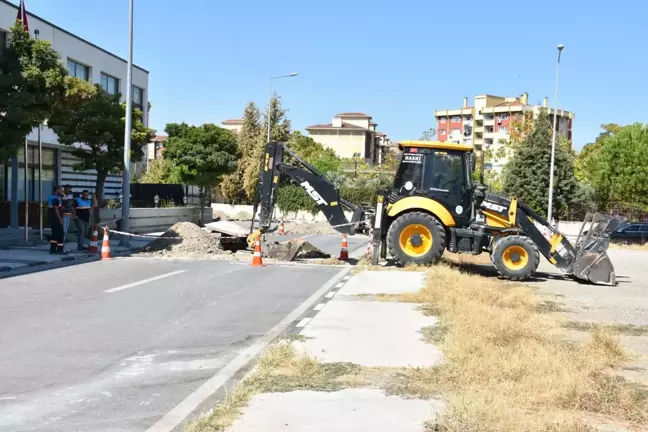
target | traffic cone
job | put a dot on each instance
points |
(257, 260)
(282, 231)
(92, 246)
(105, 246)
(344, 252)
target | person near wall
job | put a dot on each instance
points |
(55, 219)
(67, 207)
(82, 208)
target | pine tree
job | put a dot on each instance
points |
(528, 172)
(233, 185)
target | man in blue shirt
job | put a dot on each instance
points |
(55, 219)
(82, 208)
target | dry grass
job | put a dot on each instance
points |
(504, 370)
(643, 247)
(281, 369)
(625, 329)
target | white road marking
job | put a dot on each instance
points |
(180, 412)
(303, 322)
(347, 277)
(7, 397)
(319, 306)
(134, 284)
(330, 295)
(340, 285)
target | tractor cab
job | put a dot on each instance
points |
(438, 171)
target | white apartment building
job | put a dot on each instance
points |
(85, 60)
(486, 123)
(235, 125)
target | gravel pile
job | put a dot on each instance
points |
(309, 228)
(185, 239)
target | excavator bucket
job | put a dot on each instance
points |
(592, 262)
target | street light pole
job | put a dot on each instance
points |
(269, 113)
(124, 240)
(553, 141)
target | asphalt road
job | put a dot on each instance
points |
(101, 347)
(330, 244)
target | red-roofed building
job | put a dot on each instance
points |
(352, 135)
(486, 123)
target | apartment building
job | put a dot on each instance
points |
(352, 135)
(235, 125)
(486, 123)
(85, 60)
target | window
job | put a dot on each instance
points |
(442, 120)
(138, 97)
(78, 70)
(49, 174)
(644, 228)
(443, 171)
(456, 131)
(456, 119)
(503, 129)
(467, 118)
(502, 116)
(489, 129)
(631, 228)
(109, 84)
(441, 131)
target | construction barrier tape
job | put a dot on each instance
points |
(133, 235)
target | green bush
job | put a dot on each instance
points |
(293, 198)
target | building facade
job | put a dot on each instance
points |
(352, 135)
(84, 60)
(486, 124)
(235, 125)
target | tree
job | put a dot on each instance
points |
(324, 159)
(528, 171)
(160, 171)
(233, 186)
(98, 124)
(584, 166)
(32, 82)
(202, 155)
(279, 132)
(428, 134)
(617, 167)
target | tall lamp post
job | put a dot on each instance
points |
(40, 168)
(270, 99)
(124, 240)
(553, 141)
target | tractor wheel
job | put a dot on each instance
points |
(416, 238)
(515, 257)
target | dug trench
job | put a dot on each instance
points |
(507, 367)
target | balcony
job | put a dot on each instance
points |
(489, 122)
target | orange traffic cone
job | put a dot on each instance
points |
(282, 231)
(257, 260)
(344, 252)
(105, 246)
(92, 246)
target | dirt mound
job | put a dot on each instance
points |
(185, 239)
(309, 228)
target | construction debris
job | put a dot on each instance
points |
(186, 239)
(293, 249)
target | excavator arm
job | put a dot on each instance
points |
(278, 160)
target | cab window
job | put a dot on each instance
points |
(444, 172)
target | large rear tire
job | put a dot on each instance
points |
(515, 257)
(416, 238)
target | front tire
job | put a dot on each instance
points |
(515, 257)
(416, 238)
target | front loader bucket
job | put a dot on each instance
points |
(592, 262)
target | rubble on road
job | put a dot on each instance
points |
(186, 239)
(293, 249)
(309, 228)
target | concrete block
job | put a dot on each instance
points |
(384, 282)
(370, 334)
(348, 410)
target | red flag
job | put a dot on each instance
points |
(22, 15)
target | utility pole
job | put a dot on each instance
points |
(553, 142)
(125, 240)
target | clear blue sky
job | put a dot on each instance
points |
(395, 60)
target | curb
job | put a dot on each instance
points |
(66, 261)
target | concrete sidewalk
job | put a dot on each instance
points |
(348, 328)
(21, 257)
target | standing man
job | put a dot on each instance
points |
(68, 209)
(55, 220)
(82, 208)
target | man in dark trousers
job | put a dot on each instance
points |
(55, 219)
(82, 209)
